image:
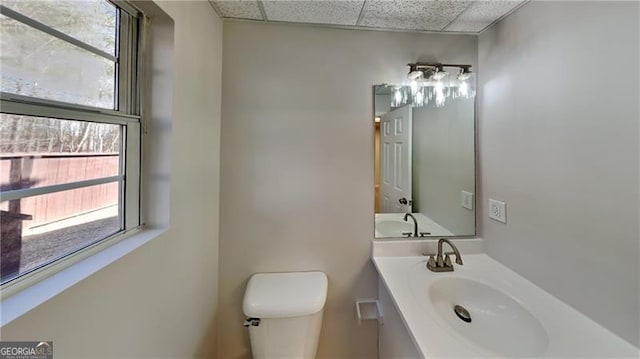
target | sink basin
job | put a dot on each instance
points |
(510, 316)
(498, 322)
(393, 228)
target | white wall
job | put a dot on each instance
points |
(443, 163)
(297, 186)
(160, 300)
(558, 118)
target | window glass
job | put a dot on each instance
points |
(62, 181)
(39, 65)
(38, 151)
(39, 229)
(92, 22)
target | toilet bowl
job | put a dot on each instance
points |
(284, 314)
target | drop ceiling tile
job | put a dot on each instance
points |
(243, 9)
(317, 12)
(411, 15)
(481, 14)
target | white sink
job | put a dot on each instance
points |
(393, 228)
(498, 322)
(510, 316)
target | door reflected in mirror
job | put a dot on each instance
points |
(424, 164)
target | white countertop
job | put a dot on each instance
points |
(425, 224)
(569, 332)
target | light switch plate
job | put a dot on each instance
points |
(497, 211)
(467, 200)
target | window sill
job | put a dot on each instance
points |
(24, 300)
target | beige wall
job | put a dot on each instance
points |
(160, 300)
(443, 163)
(297, 163)
(558, 120)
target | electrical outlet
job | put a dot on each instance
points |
(497, 210)
(467, 200)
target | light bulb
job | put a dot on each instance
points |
(414, 75)
(439, 75)
(467, 84)
(464, 76)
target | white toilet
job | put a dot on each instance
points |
(284, 313)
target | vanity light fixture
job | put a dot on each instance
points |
(465, 73)
(414, 74)
(434, 71)
(427, 84)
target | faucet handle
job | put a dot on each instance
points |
(431, 263)
(424, 234)
(458, 259)
(407, 234)
(447, 260)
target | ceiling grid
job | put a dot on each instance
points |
(471, 16)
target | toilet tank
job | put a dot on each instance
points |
(285, 313)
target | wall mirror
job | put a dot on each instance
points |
(424, 160)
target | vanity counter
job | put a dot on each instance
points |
(511, 316)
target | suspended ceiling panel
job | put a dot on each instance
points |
(316, 12)
(241, 9)
(413, 15)
(481, 14)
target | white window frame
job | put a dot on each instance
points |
(129, 97)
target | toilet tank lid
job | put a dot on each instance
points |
(282, 295)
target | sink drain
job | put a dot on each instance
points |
(462, 313)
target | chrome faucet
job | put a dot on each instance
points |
(415, 225)
(442, 262)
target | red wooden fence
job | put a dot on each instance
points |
(38, 170)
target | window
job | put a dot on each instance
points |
(70, 129)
